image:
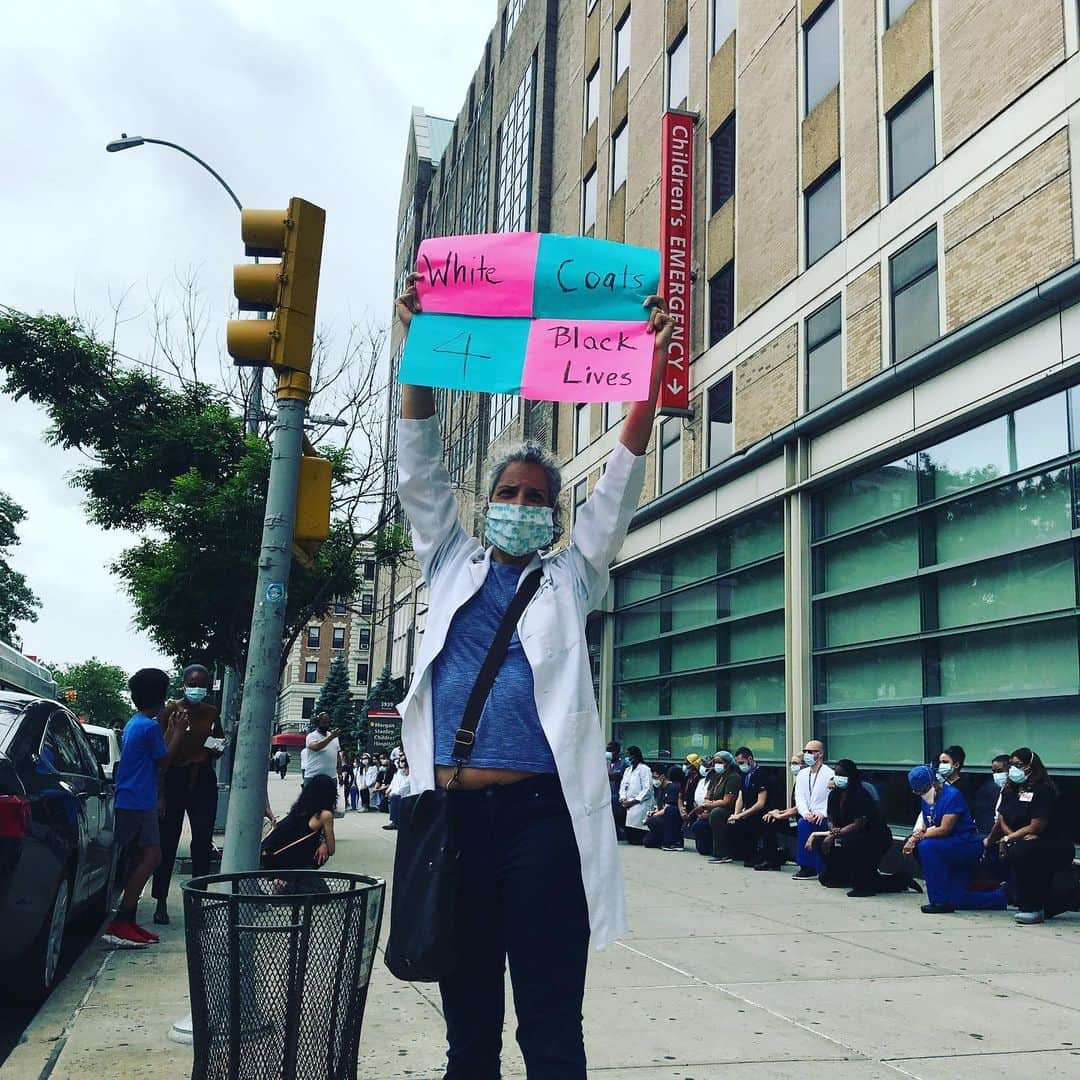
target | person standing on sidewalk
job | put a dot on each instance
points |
(538, 854)
(143, 752)
(322, 748)
(189, 784)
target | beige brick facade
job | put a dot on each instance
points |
(991, 52)
(1010, 234)
(860, 113)
(907, 53)
(863, 327)
(766, 388)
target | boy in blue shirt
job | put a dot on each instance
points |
(143, 751)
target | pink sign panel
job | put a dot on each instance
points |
(587, 360)
(489, 275)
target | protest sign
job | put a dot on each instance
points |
(554, 318)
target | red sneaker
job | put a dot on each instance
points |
(123, 935)
(147, 936)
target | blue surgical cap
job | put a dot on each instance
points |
(921, 777)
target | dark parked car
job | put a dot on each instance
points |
(57, 852)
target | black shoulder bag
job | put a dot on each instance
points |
(423, 944)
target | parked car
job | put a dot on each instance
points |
(57, 846)
(105, 742)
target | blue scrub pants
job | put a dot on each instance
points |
(948, 862)
(812, 859)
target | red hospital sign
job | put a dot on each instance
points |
(676, 230)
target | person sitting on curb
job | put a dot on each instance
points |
(949, 847)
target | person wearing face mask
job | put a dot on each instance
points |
(323, 749)
(189, 785)
(1032, 835)
(987, 796)
(949, 847)
(950, 765)
(369, 775)
(717, 801)
(745, 827)
(541, 875)
(400, 786)
(856, 839)
(809, 811)
(636, 796)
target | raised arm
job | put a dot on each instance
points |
(637, 427)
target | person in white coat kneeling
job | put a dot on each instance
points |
(636, 796)
(539, 861)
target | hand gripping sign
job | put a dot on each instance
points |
(552, 318)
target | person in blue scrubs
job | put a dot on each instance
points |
(948, 846)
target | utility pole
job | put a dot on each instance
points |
(284, 342)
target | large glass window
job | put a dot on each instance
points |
(721, 428)
(723, 21)
(914, 289)
(699, 643)
(822, 54)
(722, 303)
(722, 152)
(511, 14)
(502, 409)
(824, 354)
(823, 217)
(513, 203)
(678, 84)
(945, 603)
(670, 454)
(912, 151)
(622, 47)
(620, 148)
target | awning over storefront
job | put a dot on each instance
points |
(288, 738)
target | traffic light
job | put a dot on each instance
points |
(287, 291)
(311, 526)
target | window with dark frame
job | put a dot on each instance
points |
(581, 495)
(513, 200)
(823, 225)
(369, 569)
(307, 708)
(582, 427)
(722, 152)
(367, 602)
(588, 202)
(670, 454)
(365, 640)
(724, 16)
(311, 671)
(339, 637)
(722, 303)
(912, 145)
(620, 143)
(822, 36)
(613, 413)
(511, 14)
(340, 607)
(678, 81)
(361, 674)
(913, 289)
(314, 633)
(721, 426)
(592, 98)
(622, 47)
(824, 354)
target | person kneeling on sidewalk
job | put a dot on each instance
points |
(143, 753)
(744, 827)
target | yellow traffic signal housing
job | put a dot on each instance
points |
(287, 290)
(312, 520)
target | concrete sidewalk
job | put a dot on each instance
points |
(724, 967)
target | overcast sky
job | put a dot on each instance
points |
(282, 99)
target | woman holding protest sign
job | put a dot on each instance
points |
(526, 787)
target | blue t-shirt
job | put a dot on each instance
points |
(509, 735)
(141, 748)
(951, 801)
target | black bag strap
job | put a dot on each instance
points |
(465, 738)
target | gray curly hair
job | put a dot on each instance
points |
(531, 453)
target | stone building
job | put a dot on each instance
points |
(866, 531)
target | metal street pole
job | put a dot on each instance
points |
(243, 826)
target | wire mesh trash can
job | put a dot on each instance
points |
(278, 969)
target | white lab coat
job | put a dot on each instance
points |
(552, 633)
(637, 784)
(812, 791)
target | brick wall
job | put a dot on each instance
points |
(860, 112)
(864, 327)
(991, 52)
(1011, 233)
(766, 388)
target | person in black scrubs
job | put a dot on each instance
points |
(856, 839)
(984, 804)
(1032, 836)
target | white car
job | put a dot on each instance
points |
(106, 744)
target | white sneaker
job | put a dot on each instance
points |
(1030, 918)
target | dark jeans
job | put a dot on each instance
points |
(1032, 866)
(191, 790)
(395, 809)
(743, 836)
(701, 831)
(718, 825)
(521, 899)
(854, 859)
(365, 798)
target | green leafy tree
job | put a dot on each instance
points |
(335, 698)
(17, 601)
(383, 689)
(101, 693)
(171, 459)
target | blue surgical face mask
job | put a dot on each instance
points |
(944, 770)
(194, 694)
(718, 767)
(519, 530)
(744, 768)
(609, 755)
(1016, 774)
(795, 769)
(840, 781)
(686, 769)
(1000, 778)
(808, 758)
